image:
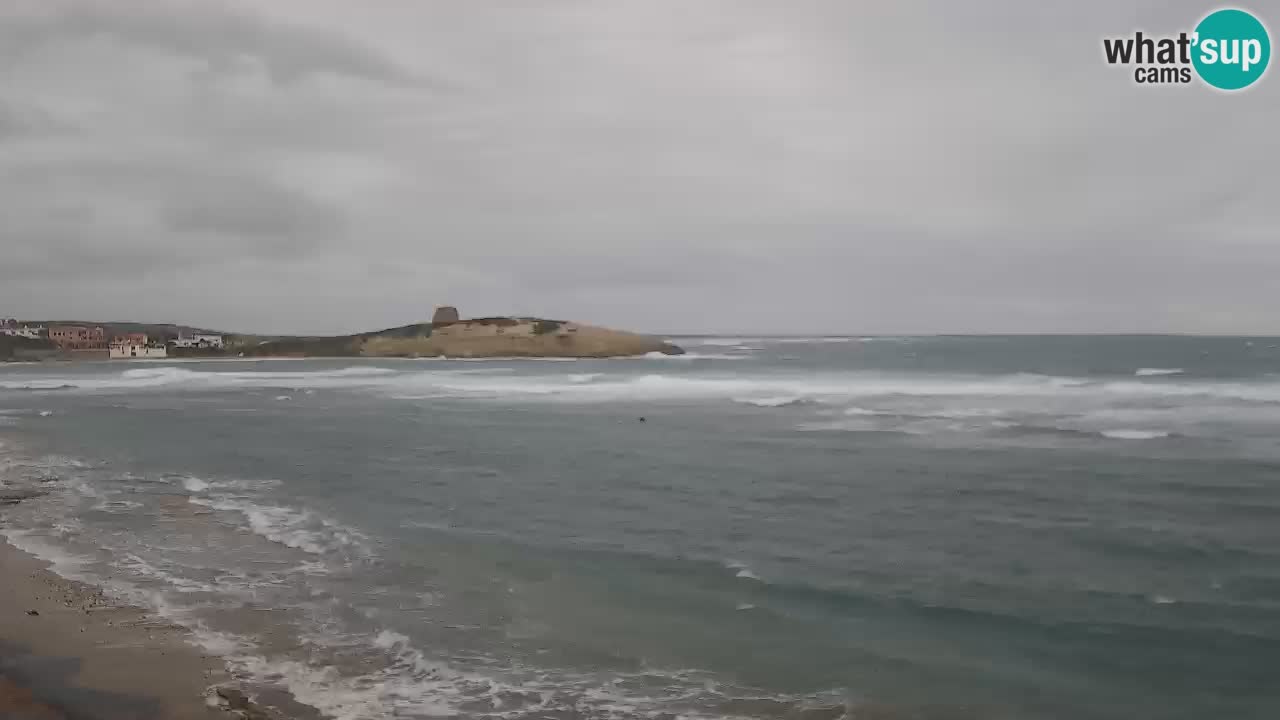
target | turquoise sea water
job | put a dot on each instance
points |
(1000, 527)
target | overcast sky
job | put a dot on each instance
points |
(670, 166)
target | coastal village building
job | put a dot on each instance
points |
(78, 337)
(130, 338)
(13, 329)
(126, 348)
(199, 340)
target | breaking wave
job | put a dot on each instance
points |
(678, 380)
(717, 341)
(773, 402)
(693, 356)
(726, 341)
(299, 529)
(772, 390)
(1134, 434)
(165, 377)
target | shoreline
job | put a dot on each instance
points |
(69, 652)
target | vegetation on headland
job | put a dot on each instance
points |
(479, 337)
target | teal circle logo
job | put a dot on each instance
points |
(1232, 49)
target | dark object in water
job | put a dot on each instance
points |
(642, 418)
(13, 497)
(33, 612)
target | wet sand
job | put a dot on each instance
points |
(67, 652)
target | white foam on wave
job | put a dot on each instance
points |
(1154, 372)
(680, 380)
(945, 413)
(406, 682)
(409, 684)
(773, 402)
(692, 356)
(742, 570)
(821, 340)
(66, 564)
(716, 341)
(171, 580)
(170, 376)
(663, 386)
(1134, 434)
(299, 529)
(723, 341)
(504, 359)
(194, 484)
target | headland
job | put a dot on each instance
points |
(447, 335)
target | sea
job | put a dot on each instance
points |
(870, 528)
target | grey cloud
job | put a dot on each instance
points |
(209, 31)
(733, 165)
(18, 120)
(87, 217)
(260, 212)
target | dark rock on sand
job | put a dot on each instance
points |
(234, 700)
(821, 712)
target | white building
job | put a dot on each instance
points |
(199, 340)
(27, 331)
(134, 351)
(213, 341)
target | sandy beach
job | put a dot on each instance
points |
(67, 652)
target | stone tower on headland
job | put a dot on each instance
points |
(445, 314)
